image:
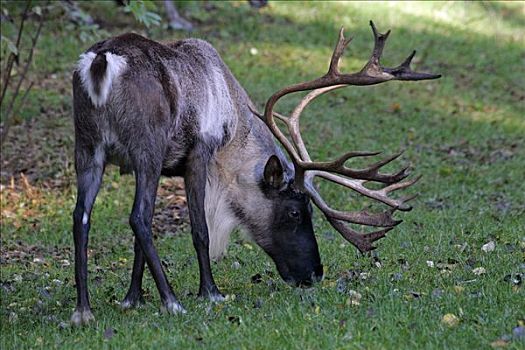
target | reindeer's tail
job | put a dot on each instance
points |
(98, 72)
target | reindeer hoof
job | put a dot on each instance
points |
(173, 308)
(129, 303)
(82, 317)
(216, 298)
(212, 293)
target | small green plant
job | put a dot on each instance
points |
(144, 12)
(82, 23)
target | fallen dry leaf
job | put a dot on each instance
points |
(500, 343)
(354, 298)
(450, 320)
(479, 271)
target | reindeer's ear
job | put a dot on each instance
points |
(273, 172)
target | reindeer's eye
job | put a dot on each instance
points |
(293, 214)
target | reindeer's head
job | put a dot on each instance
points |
(292, 245)
(289, 239)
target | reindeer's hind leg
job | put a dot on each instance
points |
(147, 172)
(89, 165)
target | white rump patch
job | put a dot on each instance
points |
(115, 67)
(219, 217)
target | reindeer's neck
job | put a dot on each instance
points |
(234, 178)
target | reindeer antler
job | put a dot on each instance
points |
(336, 170)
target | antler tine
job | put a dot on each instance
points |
(404, 72)
(373, 65)
(358, 185)
(401, 185)
(362, 241)
(370, 173)
(383, 219)
(340, 47)
(374, 73)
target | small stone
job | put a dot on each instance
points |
(51, 319)
(518, 333)
(12, 317)
(514, 279)
(44, 292)
(506, 337)
(479, 271)
(18, 278)
(341, 285)
(437, 293)
(450, 320)
(38, 260)
(364, 275)
(398, 276)
(109, 333)
(489, 247)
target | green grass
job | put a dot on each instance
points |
(464, 133)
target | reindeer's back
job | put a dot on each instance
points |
(177, 93)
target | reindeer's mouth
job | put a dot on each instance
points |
(316, 276)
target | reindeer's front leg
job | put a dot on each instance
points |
(134, 296)
(195, 182)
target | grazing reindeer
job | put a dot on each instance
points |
(176, 110)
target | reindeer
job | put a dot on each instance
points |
(176, 110)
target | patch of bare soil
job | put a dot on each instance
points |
(171, 211)
(41, 149)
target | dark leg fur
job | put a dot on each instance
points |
(134, 296)
(89, 176)
(147, 177)
(195, 180)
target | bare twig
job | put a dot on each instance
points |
(12, 56)
(9, 110)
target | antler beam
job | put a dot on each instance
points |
(336, 171)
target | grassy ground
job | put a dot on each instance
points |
(464, 133)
